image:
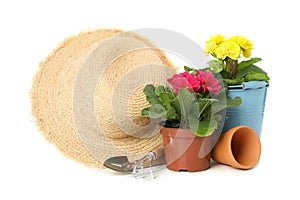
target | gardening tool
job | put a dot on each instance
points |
(137, 168)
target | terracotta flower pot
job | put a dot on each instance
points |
(184, 151)
(239, 147)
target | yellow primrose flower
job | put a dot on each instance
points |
(242, 41)
(228, 49)
(210, 47)
(247, 53)
(217, 39)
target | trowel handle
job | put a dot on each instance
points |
(159, 152)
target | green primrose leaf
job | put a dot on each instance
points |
(175, 104)
(204, 104)
(217, 107)
(255, 76)
(233, 81)
(250, 69)
(234, 102)
(156, 111)
(225, 74)
(151, 96)
(191, 70)
(170, 111)
(242, 65)
(186, 101)
(159, 89)
(203, 128)
(188, 69)
(215, 66)
(145, 112)
(225, 103)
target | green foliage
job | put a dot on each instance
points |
(215, 66)
(186, 101)
(158, 90)
(151, 96)
(170, 110)
(191, 70)
(246, 71)
(242, 65)
(156, 111)
(234, 81)
(186, 109)
(251, 76)
(203, 128)
(188, 69)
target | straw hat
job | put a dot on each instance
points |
(87, 96)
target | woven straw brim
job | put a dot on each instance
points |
(91, 108)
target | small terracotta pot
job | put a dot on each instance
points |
(184, 151)
(239, 147)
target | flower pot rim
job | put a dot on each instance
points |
(223, 151)
(160, 124)
(185, 134)
(249, 85)
(174, 127)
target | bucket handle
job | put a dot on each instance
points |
(250, 85)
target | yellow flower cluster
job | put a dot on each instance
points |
(232, 47)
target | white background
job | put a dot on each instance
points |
(31, 168)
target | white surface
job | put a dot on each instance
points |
(31, 168)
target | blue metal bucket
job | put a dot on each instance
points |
(251, 111)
